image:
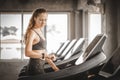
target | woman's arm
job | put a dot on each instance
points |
(51, 63)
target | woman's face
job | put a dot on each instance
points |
(41, 20)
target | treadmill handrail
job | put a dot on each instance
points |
(69, 47)
(63, 47)
(78, 45)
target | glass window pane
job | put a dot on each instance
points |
(56, 31)
(10, 36)
(26, 18)
(94, 26)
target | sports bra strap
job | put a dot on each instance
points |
(36, 32)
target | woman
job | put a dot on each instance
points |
(35, 44)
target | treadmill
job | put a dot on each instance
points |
(93, 58)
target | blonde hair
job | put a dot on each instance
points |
(31, 24)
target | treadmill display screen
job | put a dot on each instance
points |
(92, 45)
(93, 48)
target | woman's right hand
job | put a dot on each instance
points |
(52, 57)
(57, 69)
(51, 63)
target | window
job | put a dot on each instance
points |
(56, 31)
(10, 36)
(94, 26)
(26, 18)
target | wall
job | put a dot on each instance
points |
(29, 5)
(118, 21)
(110, 26)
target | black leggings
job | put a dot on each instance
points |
(36, 66)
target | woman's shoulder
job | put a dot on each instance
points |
(31, 33)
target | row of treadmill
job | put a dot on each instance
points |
(79, 63)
